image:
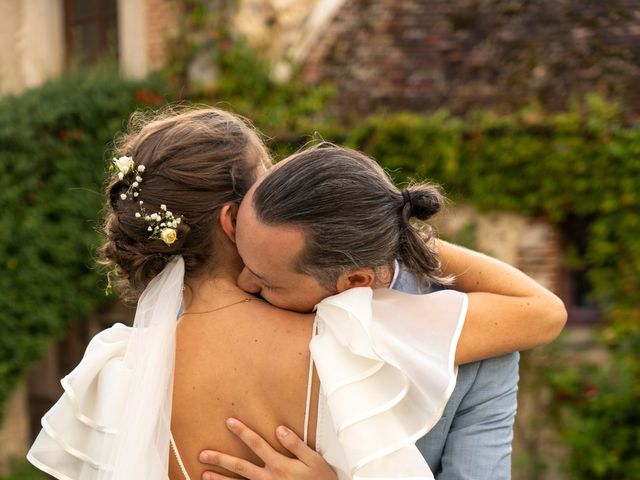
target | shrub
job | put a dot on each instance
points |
(53, 144)
(578, 164)
(595, 410)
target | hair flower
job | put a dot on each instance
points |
(163, 225)
(124, 165)
(168, 235)
(126, 169)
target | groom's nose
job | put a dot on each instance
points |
(248, 282)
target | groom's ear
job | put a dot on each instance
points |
(228, 215)
(359, 277)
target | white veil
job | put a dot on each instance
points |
(143, 447)
(113, 420)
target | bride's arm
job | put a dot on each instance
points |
(507, 311)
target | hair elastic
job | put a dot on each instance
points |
(406, 197)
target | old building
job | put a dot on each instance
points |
(39, 39)
(420, 55)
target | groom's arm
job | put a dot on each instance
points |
(478, 445)
(473, 439)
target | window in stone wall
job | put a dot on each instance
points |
(577, 292)
(578, 297)
(91, 31)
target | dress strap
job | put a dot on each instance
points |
(177, 455)
(307, 407)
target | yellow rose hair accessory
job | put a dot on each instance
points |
(163, 225)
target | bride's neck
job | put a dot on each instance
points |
(212, 289)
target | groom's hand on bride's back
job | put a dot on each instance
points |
(308, 464)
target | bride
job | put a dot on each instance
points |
(173, 202)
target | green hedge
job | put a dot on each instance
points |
(24, 471)
(582, 164)
(53, 145)
(596, 402)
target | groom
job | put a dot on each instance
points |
(473, 438)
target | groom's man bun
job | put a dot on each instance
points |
(194, 161)
(352, 213)
(424, 201)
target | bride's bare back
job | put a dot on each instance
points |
(251, 361)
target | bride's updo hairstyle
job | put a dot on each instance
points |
(194, 161)
(352, 213)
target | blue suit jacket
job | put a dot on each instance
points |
(472, 440)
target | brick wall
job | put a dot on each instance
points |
(497, 54)
(531, 244)
(540, 253)
(161, 24)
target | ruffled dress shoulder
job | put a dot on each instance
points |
(113, 420)
(79, 431)
(385, 360)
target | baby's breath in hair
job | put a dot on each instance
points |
(126, 168)
(163, 225)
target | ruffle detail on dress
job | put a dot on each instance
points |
(112, 421)
(78, 432)
(385, 360)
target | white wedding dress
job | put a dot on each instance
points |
(385, 360)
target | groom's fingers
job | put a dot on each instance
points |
(216, 476)
(251, 439)
(233, 464)
(295, 445)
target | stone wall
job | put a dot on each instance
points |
(162, 23)
(31, 43)
(465, 54)
(273, 26)
(530, 244)
(533, 246)
(143, 28)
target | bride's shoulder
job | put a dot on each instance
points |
(271, 312)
